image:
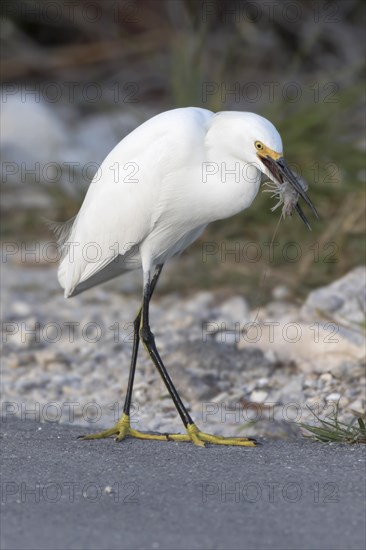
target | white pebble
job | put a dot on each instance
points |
(21, 308)
(280, 292)
(258, 396)
(335, 396)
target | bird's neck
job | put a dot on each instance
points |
(233, 183)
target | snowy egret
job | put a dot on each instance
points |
(153, 196)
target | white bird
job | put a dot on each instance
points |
(153, 195)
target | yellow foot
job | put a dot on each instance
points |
(200, 438)
(123, 429)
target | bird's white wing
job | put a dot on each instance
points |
(123, 203)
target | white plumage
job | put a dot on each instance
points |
(158, 189)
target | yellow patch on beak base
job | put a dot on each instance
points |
(267, 152)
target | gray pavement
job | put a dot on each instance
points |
(58, 492)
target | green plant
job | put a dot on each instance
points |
(333, 430)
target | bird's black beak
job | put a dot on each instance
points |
(281, 172)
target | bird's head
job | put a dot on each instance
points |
(267, 147)
(256, 141)
(272, 163)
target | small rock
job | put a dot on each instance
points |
(308, 383)
(293, 390)
(21, 309)
(358, 406)
(262, 382)
(344, 299)
(200, 302)
(258, 396)
(335, 396)
(280, 292)
(271, 356)
(226, 337)
(326, 377)
(232, 311)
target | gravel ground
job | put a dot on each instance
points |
(239, 371)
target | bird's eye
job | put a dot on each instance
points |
(258, 145)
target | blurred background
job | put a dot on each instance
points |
(78, 76)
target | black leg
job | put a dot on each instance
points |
(136, 342)
(122, 428)
(148, 340)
